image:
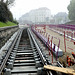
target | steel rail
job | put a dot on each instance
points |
(38, 48)
(32, 40)
(43, 59)
(9, 51)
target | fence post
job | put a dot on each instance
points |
(48, 44)
(51, 49)
(64, 41)
(74, 34)
(58, 49)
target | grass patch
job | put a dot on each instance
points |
(7, 24)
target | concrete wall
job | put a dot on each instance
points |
(5, 33)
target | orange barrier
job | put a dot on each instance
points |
(73, 55)
(43, 27)
(70, 61)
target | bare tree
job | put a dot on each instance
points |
(8, 2)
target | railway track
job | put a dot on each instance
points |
(24, 61)
(26, 56)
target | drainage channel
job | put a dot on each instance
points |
(25, 59)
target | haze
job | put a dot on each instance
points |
(23, 6)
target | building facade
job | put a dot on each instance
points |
(38, 16)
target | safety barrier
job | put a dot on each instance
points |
(54, 49)
(71, 27)
(70, 40)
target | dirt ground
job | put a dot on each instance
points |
(61, 37)
(69, 44)
(62, 47)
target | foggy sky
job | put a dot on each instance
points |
(23, 6)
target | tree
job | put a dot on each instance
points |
(5, 14)
(71, 9)
(2, 13)
(8, 2)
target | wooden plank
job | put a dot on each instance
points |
(59, 69)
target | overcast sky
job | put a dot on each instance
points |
(23, 6)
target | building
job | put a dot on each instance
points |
(61, 18)
(38, 16)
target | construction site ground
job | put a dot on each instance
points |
(68, 52)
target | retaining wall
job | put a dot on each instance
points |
(6, 33)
